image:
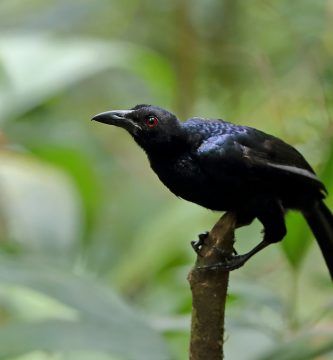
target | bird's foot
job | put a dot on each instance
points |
(197, 245)
(233, 262)
(229, 263)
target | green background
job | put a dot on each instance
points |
(94, 250)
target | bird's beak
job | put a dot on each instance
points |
(119, 118)
(114, 117)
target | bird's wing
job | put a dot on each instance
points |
(255, 156)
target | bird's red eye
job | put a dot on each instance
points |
(151, 121)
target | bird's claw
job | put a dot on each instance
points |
(228, 264)
(197, 245)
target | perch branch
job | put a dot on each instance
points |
(209, 291)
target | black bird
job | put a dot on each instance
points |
(226, 167)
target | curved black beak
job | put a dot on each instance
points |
(119, 118)
(114, 117)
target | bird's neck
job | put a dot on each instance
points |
(167, 150)
(169, 144)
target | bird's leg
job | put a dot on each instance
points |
(244, 218)
(272, 217)
(236, 261)
(197, 245)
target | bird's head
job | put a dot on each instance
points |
(151, 126)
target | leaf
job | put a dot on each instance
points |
(37, 67)
(35, 200)
(297, 241)
(157, 243)
(104, 322)
(81, 169)
(307, 347)
(77, 355)
(61, 335)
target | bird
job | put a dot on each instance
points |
(226, 167)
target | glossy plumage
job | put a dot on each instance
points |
(227, 167)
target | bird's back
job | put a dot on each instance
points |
(247, 160)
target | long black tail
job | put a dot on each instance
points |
(320, 220)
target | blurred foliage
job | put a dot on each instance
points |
(94, 250)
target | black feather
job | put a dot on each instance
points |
(320, 220)
(226, 167)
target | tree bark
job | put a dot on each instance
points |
(209, 286)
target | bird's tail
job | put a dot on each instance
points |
(320, 220)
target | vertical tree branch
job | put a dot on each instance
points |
(209, 291)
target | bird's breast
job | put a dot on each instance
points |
(184, 177)
(179, 174)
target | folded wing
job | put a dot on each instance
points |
(256, 156)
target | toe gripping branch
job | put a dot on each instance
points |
(198, 244)
(215, 248)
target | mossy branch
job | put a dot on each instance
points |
(209, 291)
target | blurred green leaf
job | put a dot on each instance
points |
(25, 182)
(297, 241)
(255, 294)
(157, 243)
(307, 347)
(105, 323)
(60, 335)
(37, 67)
(82, 172)
(71, 355)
